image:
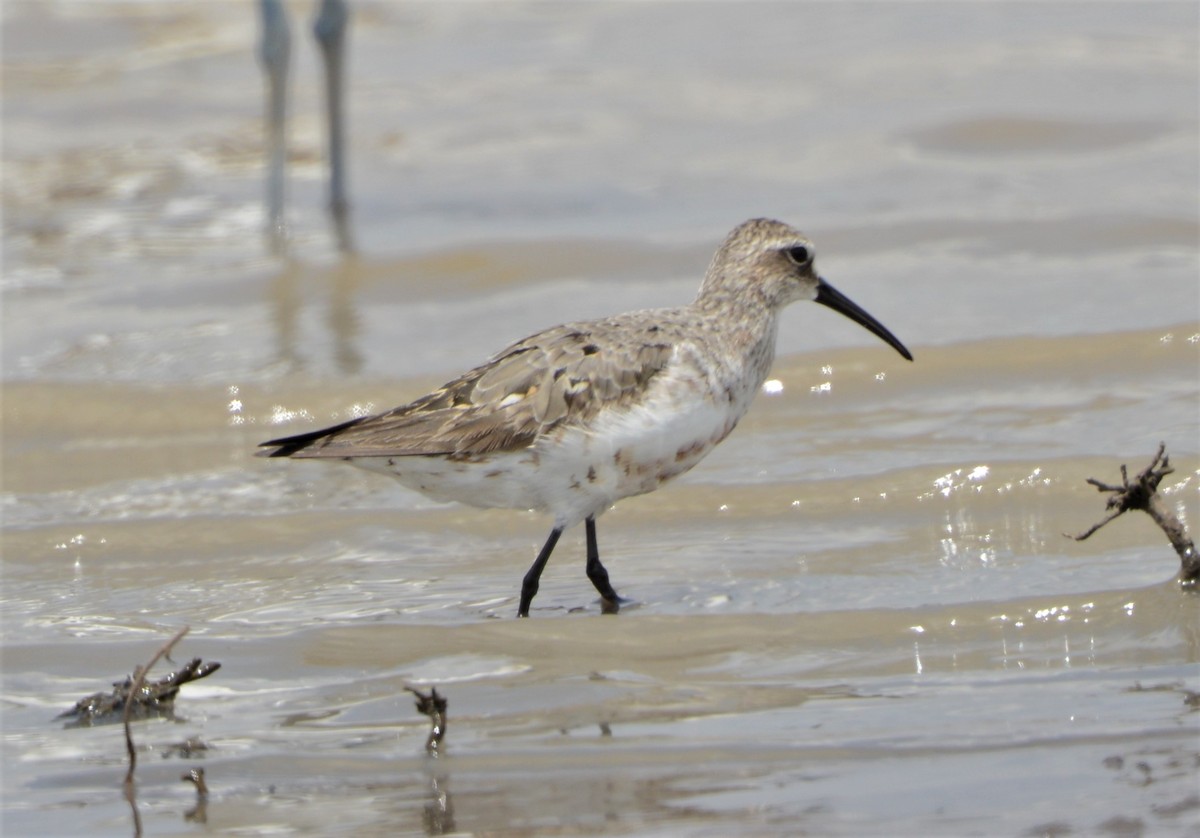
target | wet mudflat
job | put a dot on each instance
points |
(858, 616)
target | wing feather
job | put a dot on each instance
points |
(564, 375)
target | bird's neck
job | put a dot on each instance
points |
(739, 311)
(742, 333)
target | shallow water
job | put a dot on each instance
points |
(858, 616)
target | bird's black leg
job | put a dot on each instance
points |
(529, 587)
(610, 602)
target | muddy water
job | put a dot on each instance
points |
(858, 616)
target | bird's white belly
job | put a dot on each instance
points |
(574, 472)
(499, 480)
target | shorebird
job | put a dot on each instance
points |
(573, 419)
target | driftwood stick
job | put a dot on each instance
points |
(1142, 493)
(139, 676)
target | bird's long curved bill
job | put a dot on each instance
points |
(829, 296)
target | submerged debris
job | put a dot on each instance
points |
(438, 816)
(191, 747)
(1143, 494)
(152, 699)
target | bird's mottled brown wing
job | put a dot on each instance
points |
(563, 375)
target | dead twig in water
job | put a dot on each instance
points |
(1143, 494)
(439, 808)
(139, 681)
(198, 813)
(434, 706)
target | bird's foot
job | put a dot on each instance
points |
(613, 606)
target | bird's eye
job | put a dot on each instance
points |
(799, 254)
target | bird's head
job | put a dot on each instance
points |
(773, 264)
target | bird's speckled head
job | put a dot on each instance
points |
(762, 266)
(764, 261)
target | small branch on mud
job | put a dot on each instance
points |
(134, 695)
(1142, 493)
(434, 706)
(133, 699)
